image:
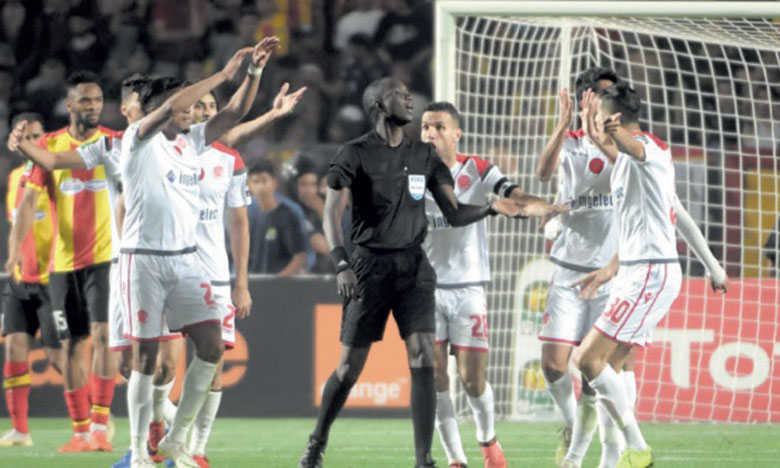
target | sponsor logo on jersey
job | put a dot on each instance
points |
(464, 182)
(219, 171)
(270, 234)
(189, 180)
(208, 214)
(170, 176)
(40, 215)
(416, 186)
(71, 186)
(596, 165)
(96, 185)
(601, 200)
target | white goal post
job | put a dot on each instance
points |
(709, 77)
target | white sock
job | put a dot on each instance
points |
(447, 425)
(562, 391)
(203, 422)
(612, 442)
(584, 427)
(139, 404)
(169, 411)
(197, 382)
(484, 416)
(612, 394)
(159, 397)
(629, 380)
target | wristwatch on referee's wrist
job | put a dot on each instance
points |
(340, 258)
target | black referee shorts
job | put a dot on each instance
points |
(26, 308)
(82, 295)
(401, 281)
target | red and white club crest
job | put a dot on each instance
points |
(596, 165)
(142, 315)
(464, 182)
(182, 142)
(218, 171)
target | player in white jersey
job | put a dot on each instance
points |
(165, 283)
(460, 258)
(649, 276)
(587, 242)
(105, 152)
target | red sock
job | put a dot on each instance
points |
(78, 408)
(102, 394)
(17, 392)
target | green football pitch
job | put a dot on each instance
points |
(375, 443)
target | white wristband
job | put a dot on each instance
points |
(254, 71)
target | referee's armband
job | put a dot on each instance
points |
(340, 259)
(504, 187)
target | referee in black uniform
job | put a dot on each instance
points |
(387, 175)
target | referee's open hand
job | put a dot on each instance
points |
(346, 281)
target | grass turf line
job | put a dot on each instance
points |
(385, 443)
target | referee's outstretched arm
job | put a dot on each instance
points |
(460, 214)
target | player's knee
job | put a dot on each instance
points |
(552, 372)
(474, 387)
(165, 371)
(441, 379)
(420, 352)
(211, 351)
(589, 365)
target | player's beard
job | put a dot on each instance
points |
(85, 122)
(399, 120)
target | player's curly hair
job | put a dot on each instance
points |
(81, 76)
(157, 91)
(590, 78)
(134, 83)
(621, 97)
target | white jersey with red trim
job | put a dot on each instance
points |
(460, 255)
(644, 198)
(106, 152)
(588, 238)
(161, 180)
(223, 183)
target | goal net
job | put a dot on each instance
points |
(711, 89)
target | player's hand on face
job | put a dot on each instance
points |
(263, 50)
(567, 106)
(17, 135)
(285, 103)
(612, 123)
(507, 207)
(591, 282)
(232, 66)
(242, 301)
(346, 282)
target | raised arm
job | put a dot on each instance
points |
(550, 157)
(283, 105)
(460, 214)
(596, 130)
(694, 238)
(46, 159)
(239, 248)
(188, 96)
(25, 217)
(241, 101)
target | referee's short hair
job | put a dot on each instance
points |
(444, 106)
(373, 94)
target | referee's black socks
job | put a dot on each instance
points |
(423, 412)
(334, 395)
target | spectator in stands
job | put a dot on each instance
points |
(363, 19)
(276, 241)
(304, 185)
